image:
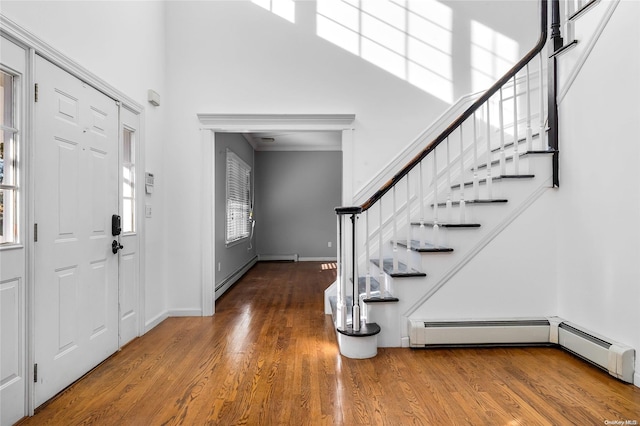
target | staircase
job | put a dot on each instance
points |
(408, 240)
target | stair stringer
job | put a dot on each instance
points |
(442, 267)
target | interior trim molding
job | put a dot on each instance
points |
(270, 122)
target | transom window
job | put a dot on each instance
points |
(8, 159)
(238, 199)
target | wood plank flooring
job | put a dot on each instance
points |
(268, 357)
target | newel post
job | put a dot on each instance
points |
(347, 259)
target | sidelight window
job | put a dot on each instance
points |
(128, 182)
(238, 182)
(8, 159)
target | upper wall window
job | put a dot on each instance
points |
(8, 159)
(238, 182)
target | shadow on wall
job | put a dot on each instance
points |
(416, 41)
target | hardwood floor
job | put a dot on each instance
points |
(268, 357)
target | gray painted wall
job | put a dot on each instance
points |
(232, 258)
(296, 193)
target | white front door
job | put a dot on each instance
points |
(76, 194)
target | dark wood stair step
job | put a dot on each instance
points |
(483, 181)
(510, 158)
(448, 225)
(366, 329)
(475, 202)
(427, 248)
(375, 295)
(402, 272)
(520, 142)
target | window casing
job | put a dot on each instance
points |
(9, 139)
(238, 207)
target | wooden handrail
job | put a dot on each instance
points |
(467, 113)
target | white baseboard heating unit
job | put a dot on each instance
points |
(616, 358)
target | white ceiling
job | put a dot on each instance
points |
(295, 141)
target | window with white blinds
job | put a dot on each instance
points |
(238, 198)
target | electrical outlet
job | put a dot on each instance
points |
(147, 210)
(329, 244)
(219, 266)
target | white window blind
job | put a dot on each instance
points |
(238, 198)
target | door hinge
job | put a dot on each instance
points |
(35, 232)
(35, 373)
(36, 92)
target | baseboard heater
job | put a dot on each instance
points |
(616, 358)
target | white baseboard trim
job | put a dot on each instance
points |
(234, 277)
(185, 313)
(155, 321)
(317, 259)
(278, 257)
(636, 379)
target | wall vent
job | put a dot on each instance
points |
(616, 358)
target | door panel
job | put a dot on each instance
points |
(76, 192)
(130, 315)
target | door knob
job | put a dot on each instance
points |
(115, 247)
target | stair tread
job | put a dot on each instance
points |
(381, 299)
(448, 225)
(520, 141)
(427, 248)
(479, 201)
(366, 329)
(497, 178)
(402, 272)
(375, 295)
(510, 157)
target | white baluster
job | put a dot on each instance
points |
(543, 133)
(342, 285)
(529, 130)
(436, 226)
(476, 183)
(462, 202)
(408, 206)
(516, 147)
(448, 204)
(421, 189)
(367, 255)
(395, 231)
(355, 322)
(503, 158)
(489, 178)
(383, 282)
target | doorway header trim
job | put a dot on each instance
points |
(239, 123)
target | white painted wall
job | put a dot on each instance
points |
(512, 277)
(123, 44)
(598, 237)
(235, 57)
